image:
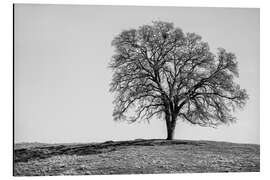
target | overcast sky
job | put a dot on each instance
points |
(62, 80)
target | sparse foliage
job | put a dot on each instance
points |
(160, 71)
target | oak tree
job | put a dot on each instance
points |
(159, 71)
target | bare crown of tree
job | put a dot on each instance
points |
(159, 71)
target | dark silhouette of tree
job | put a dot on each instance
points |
(160, 71)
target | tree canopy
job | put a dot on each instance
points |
(159, 71)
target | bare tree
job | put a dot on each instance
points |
(160, 71)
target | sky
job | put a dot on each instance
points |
(62, 76)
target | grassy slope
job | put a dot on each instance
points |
(138, 156)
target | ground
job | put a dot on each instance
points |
(135, 157)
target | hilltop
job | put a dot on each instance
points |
(135, 157)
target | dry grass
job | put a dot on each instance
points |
(135, 157)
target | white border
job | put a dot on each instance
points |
(6, 84)
(204, 3)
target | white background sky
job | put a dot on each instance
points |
(61, 74)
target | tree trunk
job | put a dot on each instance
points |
(170, 133)
(170, 122)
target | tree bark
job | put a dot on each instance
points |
(170, 133)
(170, 124)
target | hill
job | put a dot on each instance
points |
(135, 157)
